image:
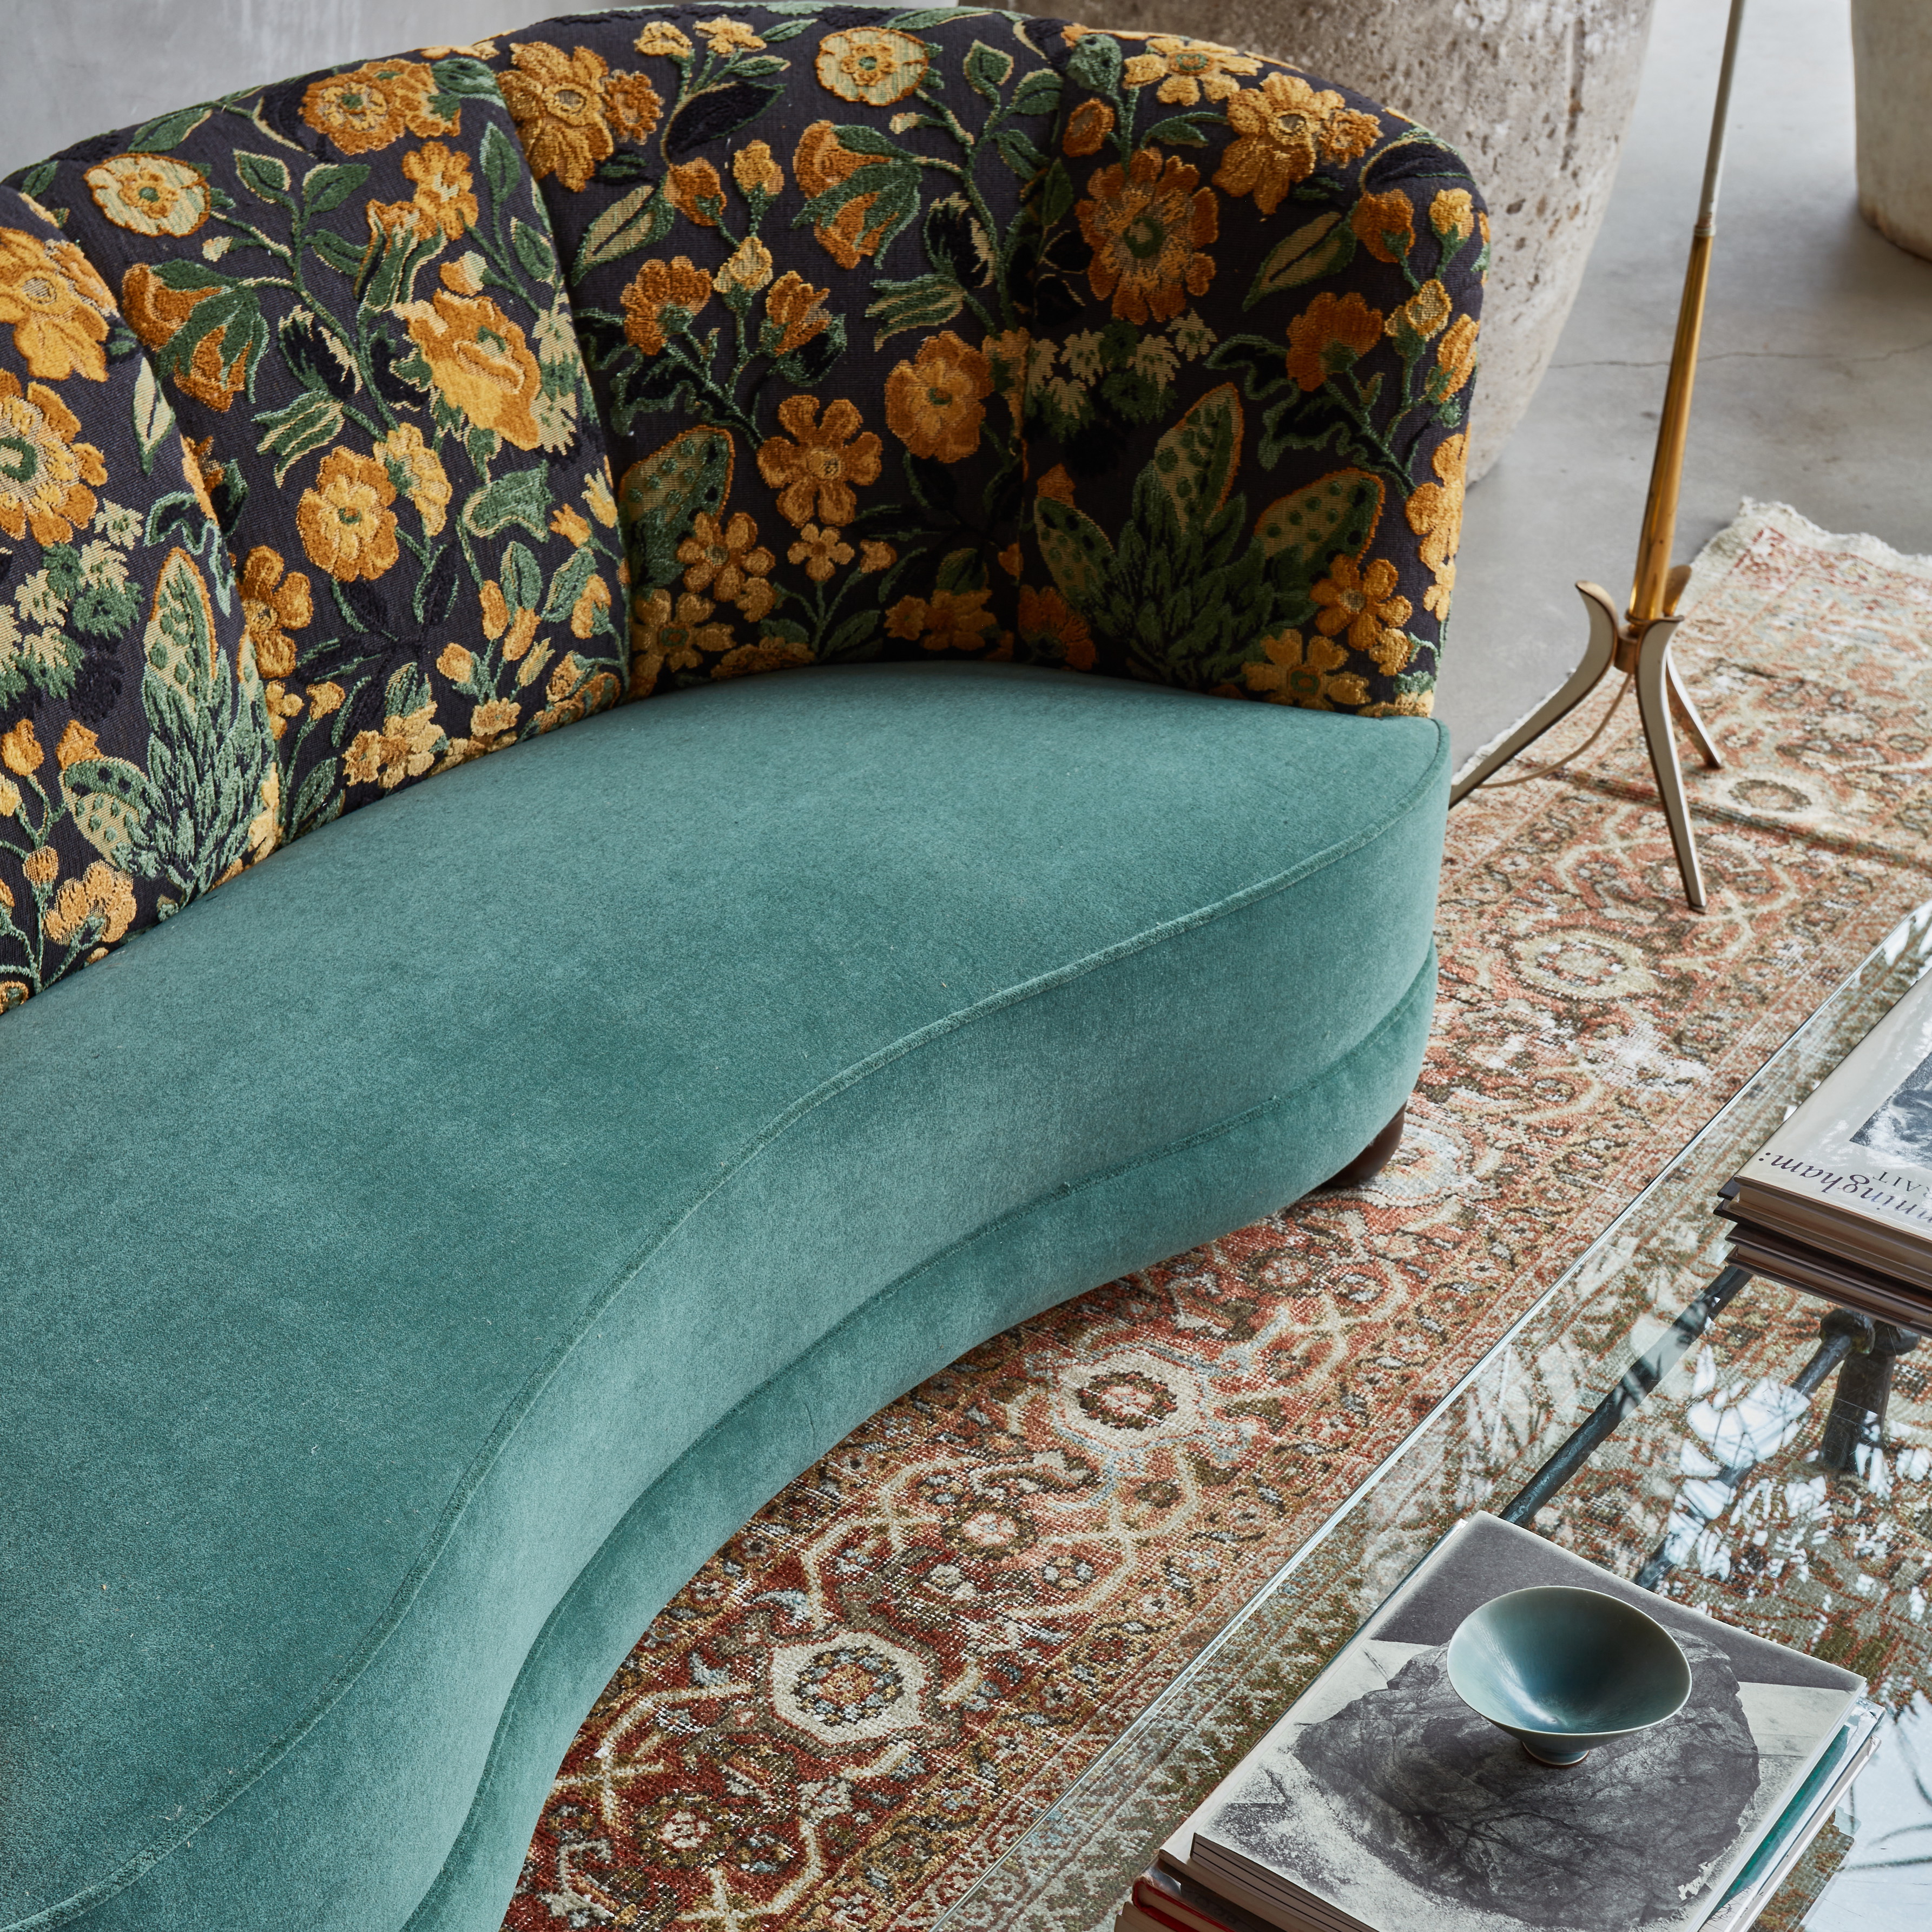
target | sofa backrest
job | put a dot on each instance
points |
(643, 349)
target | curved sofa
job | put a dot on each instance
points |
(417, 1255)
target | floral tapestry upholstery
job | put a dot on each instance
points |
(640, 349)
(959, 333)
(137, 768)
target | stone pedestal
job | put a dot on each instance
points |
(1892, 48)
(1536, 95)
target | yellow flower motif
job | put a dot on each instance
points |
(767, 654)
(676, 634)
(951, 620)
(1419, 318)
(566, 523)
(1435, 512)
(1282, 128)
(1452, 216)
(814, 472)
(569, 109)
(1455, 358)
(727, 37)
(1330, 335)
(727, 560)
(57, 305)
(9, 802)
(344, 520)
(325, 700)
(1149, 226)
(43, 471)
(794, 314)
(749, 266)
(283, 707)
(425, 481)
(369, 107)
(876, 65)
(678, 289)
(13, 993)
(1046, 617)
(455, 663)
(273, 605)
(821, 551)
(151, 194)
(478, 359)
(755, 171)
(443, 196)
(405, 748)
(874, 556)
(1188, 69)
(42, 867)
(100, 893)
(1308, 673)
(597, 495)
(661, 38)
(1364, 603)
(936, 404)
(592, 601)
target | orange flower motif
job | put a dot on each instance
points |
(754, 170)
(1455, 358)
(1087, 127)
(1046, 617)
(1149, 226)
(344, 519)
(405, 748)
(273, 605)
(76, 743)
(100, 893)
(42, 866)
(696, 192)
(455, 662)
(796, 311)
(424, 480)
(443, 196)
(821, 551)
(1364, 603)
(726, 559)
(674, 635)
(592, 601)
(1330, 335)
(57, 305)
(1452, 216)
(1188, 69)
(820, 163)
(1307, 672)
(748, 267)
(950, 620)
(19, 750)
(570, 108)
(158, 313)
(44, 472)
(1282, 129)
(935, 404)
(815, 471)
(1384, 224)
(678, 288)
(767, 654)
(477, 358)
(150, 194)
(1435, 512)
(874, 556)
(876, 65)
(374, 104)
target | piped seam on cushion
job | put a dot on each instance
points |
(406, 1592)
(1396, 1014)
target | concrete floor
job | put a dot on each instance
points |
(1815, 387)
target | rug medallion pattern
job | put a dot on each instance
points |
(878, 1683)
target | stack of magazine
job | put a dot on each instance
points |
(1382, 1803)
(1839, 1200)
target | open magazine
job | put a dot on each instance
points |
(1839, 1200)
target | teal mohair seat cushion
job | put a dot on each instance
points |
(421, 1251)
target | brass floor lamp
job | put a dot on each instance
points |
(1639, 644)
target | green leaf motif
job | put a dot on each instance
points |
(522, 578)
(265, 176)
(633, 221)
(1038, 92)
(107, 800)
(1178, 131)
(312, 422)
(179, 643)
(35, 182)
(534, 251)
(1195, 462)
(928, 302)
(154, 420)
(1096, 65)
(521, 497)
(345, 257)
(168, 130)
(465, 76)
(1076, 550)
(1336, 515)
(988, 69)
(567, 585)
(503, 162)
(1317, 248)
(328, 187)
(662, 494)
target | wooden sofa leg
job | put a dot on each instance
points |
(1373, 1158)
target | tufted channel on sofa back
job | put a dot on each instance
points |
(640, 349)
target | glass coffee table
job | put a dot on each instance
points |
(1706, 1431)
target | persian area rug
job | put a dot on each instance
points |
(879, 1683)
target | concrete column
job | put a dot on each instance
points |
(1536, 95)
(1891, 53)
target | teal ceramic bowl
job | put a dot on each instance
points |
(1565, 1670)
